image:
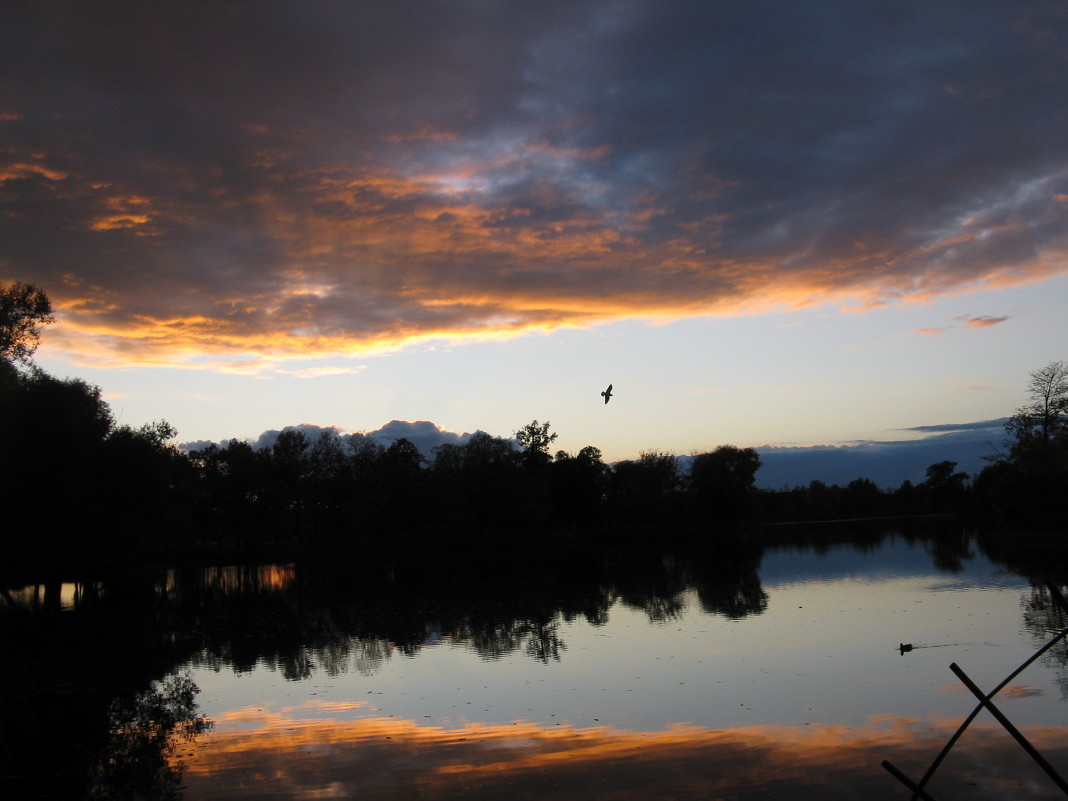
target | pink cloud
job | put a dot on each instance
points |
(984, 321)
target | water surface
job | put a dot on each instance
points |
(765, 672)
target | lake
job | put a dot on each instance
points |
(768, 670)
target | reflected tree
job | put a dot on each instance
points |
(147, 730)
(1044, 617)
(740, 597)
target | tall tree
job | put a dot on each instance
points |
(24, 309)
(1026, 483)
(724, 481)
(638, 489)
(1045, 417)
(534, 438)
(945, 486)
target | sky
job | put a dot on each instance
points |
(820, 227)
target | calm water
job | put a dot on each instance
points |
(773, 673)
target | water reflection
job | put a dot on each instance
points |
(381, 758)
(53, 595)
(107, 673)
(93, 703)
(141, 756)
(1043, 617)
(320, 618)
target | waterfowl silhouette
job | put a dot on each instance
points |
(607, 394)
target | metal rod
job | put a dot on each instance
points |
(1004, 721)
(918, 792)
(979, 708)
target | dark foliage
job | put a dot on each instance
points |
(79, 487)
(24, 309)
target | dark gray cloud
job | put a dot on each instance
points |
(423, 434)
(311, 433)
(984, 321)
(986, 427)
(299, 177)
(887, 463)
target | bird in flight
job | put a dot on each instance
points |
(607, 394)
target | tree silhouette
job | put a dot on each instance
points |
(577, 487)
(24, 309)
(638, 490)
(478, 483)
(1045, 418)
(724, 482)
(945, 487)
(120, 493)
(534, 439)
(1028, 481)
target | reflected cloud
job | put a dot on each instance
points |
(387, 758)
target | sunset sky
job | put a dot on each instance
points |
(771, 223)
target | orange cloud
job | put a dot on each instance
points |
(13, 172)
(508, 172)
(461, 244)
(386, 758)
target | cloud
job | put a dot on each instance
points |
(982, 426)
(311, 433)
(423, 434)
(302, 753)
(887, 463)
(326, 370)
(984, 321)
(981, 321)
(313, 180)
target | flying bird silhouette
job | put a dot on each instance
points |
(607, 394)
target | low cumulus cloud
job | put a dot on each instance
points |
(423, 434)
(307, 179)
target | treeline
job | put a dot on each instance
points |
(82, 489)
(334, 489)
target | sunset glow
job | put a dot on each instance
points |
(305, 759)
(304, 191)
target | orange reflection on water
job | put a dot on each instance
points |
(238, 578)
(288, 758)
